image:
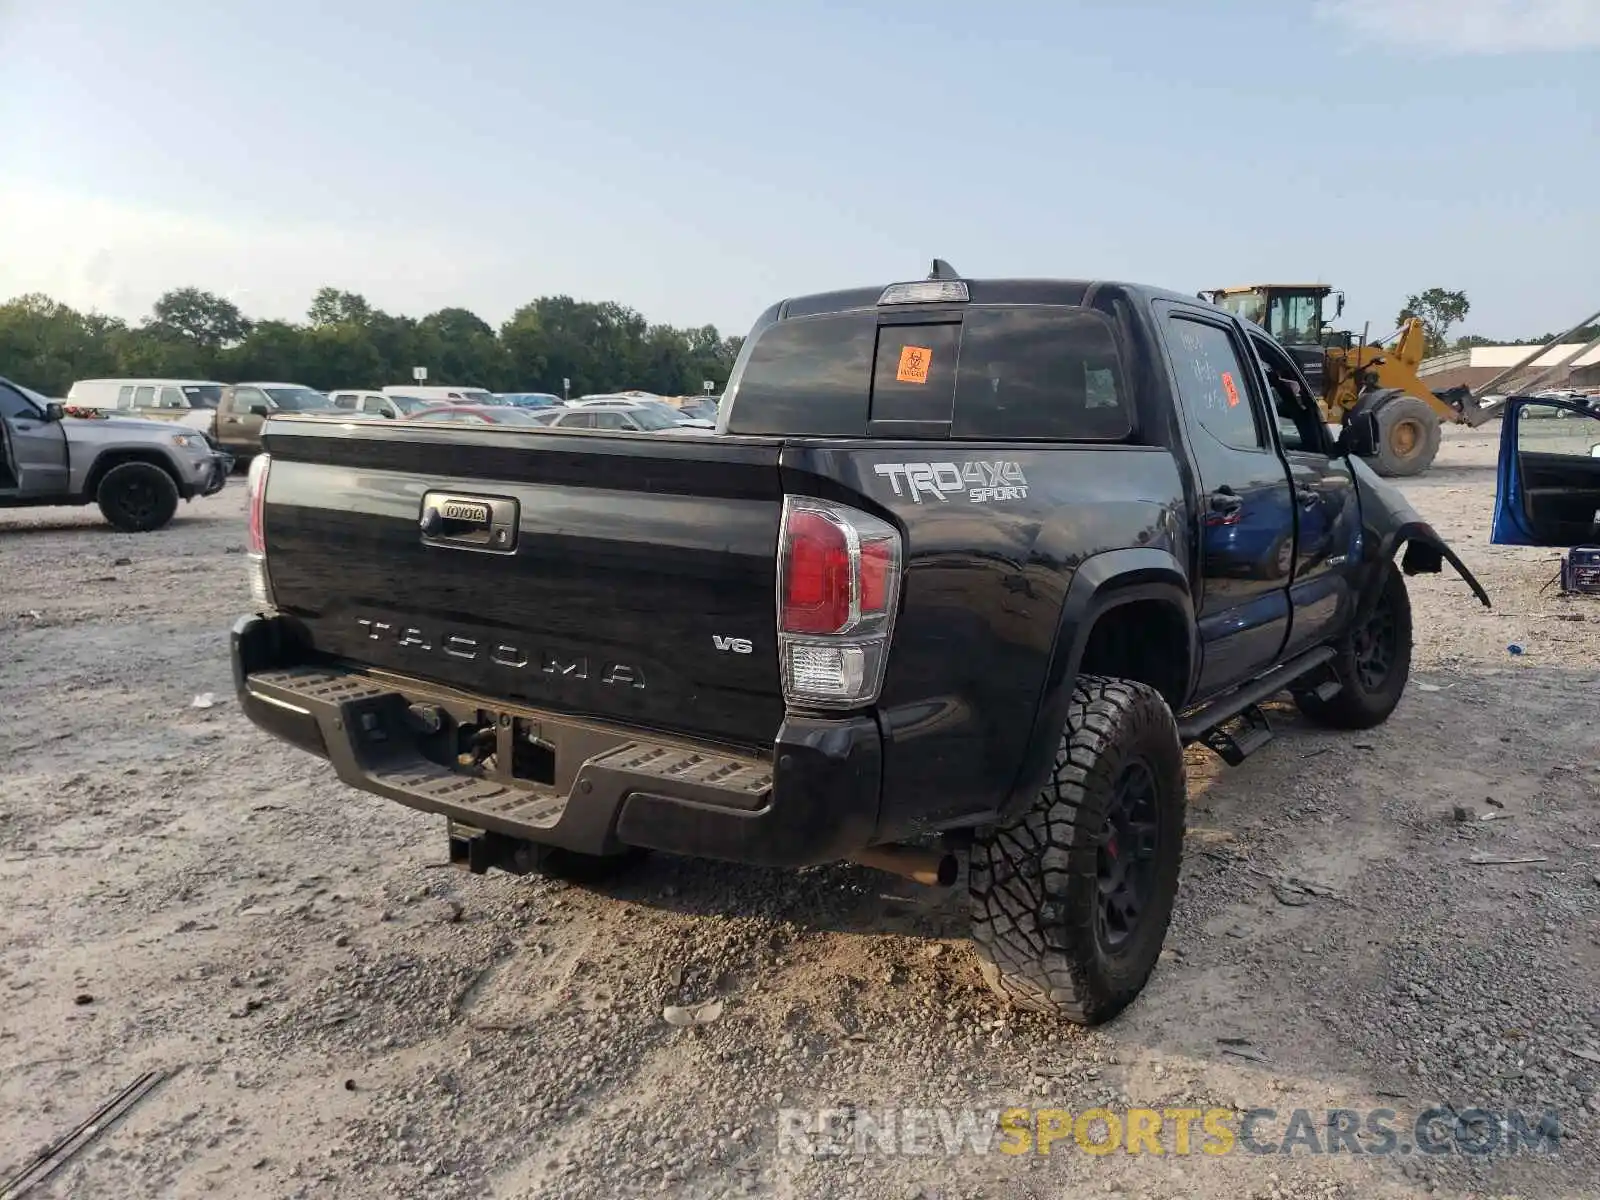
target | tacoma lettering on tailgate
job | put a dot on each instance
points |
(501, 654)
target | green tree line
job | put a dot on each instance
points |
(345, 342)
(1440, 308)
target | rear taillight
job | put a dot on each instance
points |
(256, 545)
(838, 582)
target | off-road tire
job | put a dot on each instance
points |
(1045, 938)
(137, 497)
(1372, 664)
(1408, 437)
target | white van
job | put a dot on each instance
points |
(126, 394)
(446, 395)
(190, 402)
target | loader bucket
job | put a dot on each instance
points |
(1471, 411)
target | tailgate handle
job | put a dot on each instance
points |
(486, 524)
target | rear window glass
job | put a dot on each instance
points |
(1037, 372)
(1034, 372)
(915, 376)
(808, 376)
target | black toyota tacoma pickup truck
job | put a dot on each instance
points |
(966, 563)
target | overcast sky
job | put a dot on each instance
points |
(699, 159)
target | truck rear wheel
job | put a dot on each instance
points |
(1408, 437)
(1071, 901)
(1372, 665)
(137, 497)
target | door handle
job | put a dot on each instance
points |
(1225, 500)
(231, 420)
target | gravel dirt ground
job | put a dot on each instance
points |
(343, 1017)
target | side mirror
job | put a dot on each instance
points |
(1338, 310)
(56, 411)
(260, 410)
(1358, 436)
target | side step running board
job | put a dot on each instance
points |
(1195, 725)
(1237, 739)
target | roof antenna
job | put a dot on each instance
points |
(943, 270)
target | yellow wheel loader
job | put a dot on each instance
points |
(1380, 377)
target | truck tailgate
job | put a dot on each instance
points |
(633, 580)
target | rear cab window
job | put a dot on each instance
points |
(1043, 373)
(1015, 372)
(914, 378)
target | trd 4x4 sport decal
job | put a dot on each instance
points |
(980, 482)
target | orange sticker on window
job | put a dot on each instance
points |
(914, 364)
(1229, 387)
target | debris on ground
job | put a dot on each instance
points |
(58, 1153)
(699, 1014)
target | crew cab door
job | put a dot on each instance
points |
(37, 447)
(1327, 508)
(1246, 507)
(1548, 492)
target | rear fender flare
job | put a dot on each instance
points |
(1101, 583)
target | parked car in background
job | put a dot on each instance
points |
(653, 404)
(473, 414)
(532, 399)
(636, 418)
(223, 413)
(702, 408)
(190, 401)
(446, 395)
(245, 407)
(135, 470)
(378, 404)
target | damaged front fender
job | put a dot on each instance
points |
(1389, 522)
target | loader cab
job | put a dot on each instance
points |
(1293, 313)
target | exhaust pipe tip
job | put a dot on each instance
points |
(920, 864)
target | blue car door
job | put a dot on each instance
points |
(1548, 476)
